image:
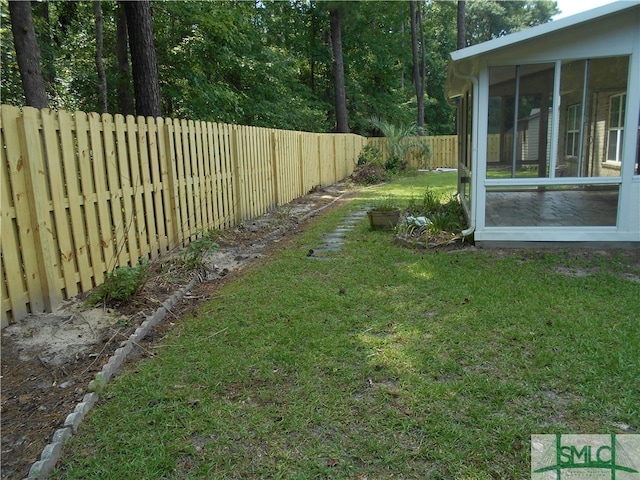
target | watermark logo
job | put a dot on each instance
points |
(585, 457)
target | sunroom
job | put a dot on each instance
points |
(548, 129)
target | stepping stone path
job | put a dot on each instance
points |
(334, 241)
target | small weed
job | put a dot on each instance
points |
(121, 284)
(194, 254)
(282, 214)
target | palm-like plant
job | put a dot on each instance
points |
(401, 141)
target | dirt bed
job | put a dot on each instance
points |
(48, 360)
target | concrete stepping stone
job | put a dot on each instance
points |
(333, 241)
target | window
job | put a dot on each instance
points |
(589, 125)
(572, 145)
(519, 120)
(616, 127)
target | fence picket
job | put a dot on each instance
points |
(190, 218)
(101, 190)
(193, 177)
(129, 243)
(38, 192)
(138, 220)
(180, 193)
(216, 174)
(115, 189)
(14, 291)
(147, 187)
(170, 175)
(75, 200)
(60, 216)
(156, 187)
(90, 213)
(227, 177)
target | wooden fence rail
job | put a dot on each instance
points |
(82, 194)
(85, 193)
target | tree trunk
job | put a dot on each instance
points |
(27, 54)
(125, 100)
(402, 82)
(418, 69)
(143, 58)
(102, 79)
(312, 60)
(342, 125)
(423, 72)
(41, 9)
(462, 32)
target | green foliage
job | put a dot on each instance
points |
(267, 63)
(402, 140)
(197, 250)
(121, 284)
(447, 216)
(489, 19)
(370, 154)
(430, 202)
(386, 203)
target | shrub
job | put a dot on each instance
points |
(394, 165)
(121, 284)
(370, 154)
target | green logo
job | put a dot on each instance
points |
(578, 457)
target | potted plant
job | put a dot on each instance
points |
(384, 214)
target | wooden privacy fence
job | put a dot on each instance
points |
(85, 193)
(444, 151)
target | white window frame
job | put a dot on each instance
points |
(616, 127)
(572, 147)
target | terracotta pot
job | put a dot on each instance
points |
(383, 219)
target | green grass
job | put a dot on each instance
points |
(426, 365)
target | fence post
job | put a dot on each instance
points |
(36, 181)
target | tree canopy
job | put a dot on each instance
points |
(266, 63)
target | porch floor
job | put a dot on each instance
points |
(533, 208)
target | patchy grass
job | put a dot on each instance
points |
(381, 363)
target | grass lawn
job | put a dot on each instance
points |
(383, 362)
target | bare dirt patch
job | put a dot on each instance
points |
(48, 360)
